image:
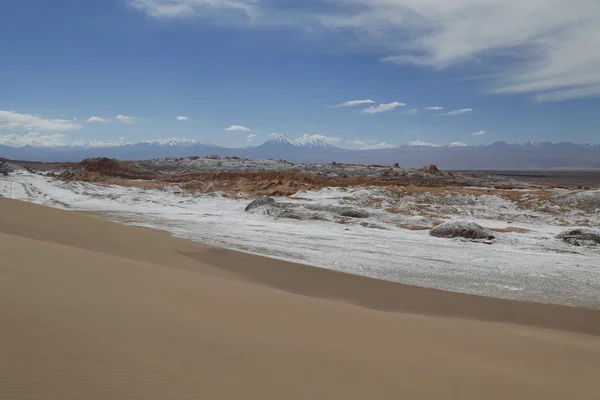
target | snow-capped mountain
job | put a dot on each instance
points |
(459, 144)
(279, 139)
(304, 149)
(95, 144)
(314, 141)
(174, 142)
(418, 143)
(498, 155)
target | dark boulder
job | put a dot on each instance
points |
(467, 230)
(580, 236)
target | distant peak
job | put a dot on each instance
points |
(96, 144)
(418, 143)
(282, 140)
(313, 141)
(173, 142)
(459, 144)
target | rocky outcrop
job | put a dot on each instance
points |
(5, 168)
(117, 169)
(350, 212)
(353, 213)
(268, 205)
(432, 170)
(466, 230)
(260, 202)
(301, 214)
(580, 236)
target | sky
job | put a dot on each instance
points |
(358, 73)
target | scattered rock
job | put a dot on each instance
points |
(580, 236)
(467, 230)
(396, 165)
(260, 202)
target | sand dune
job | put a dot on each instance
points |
(97, 310)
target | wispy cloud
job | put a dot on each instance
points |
(459, 112)
(97, 120)
(27, 122)
(434, 108)
(237, 128)
(182, 118)
(479, 133)
(354, 103)
(251, 137)
(550, 45)
(412, 111)
(382, 108)
(34, 139)
(126, 119)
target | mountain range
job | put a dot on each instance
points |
(455, 156)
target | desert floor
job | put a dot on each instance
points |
(91, 309)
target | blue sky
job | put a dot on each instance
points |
(528, 70)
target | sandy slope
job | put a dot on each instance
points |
(97, 310)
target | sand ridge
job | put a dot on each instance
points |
(97, 310)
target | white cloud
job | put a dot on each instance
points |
(96, 120)
(324, 138)
(434, 108)
(458, 112)
(27, 122)
(479, 133)
(182, 118)
(382, 108)
(34, 139)
(412, 111)
(378, 146)
(238, 128)
(126, 119)
(190, 8)
(251, 137)
(546, 47)
(355, 103)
